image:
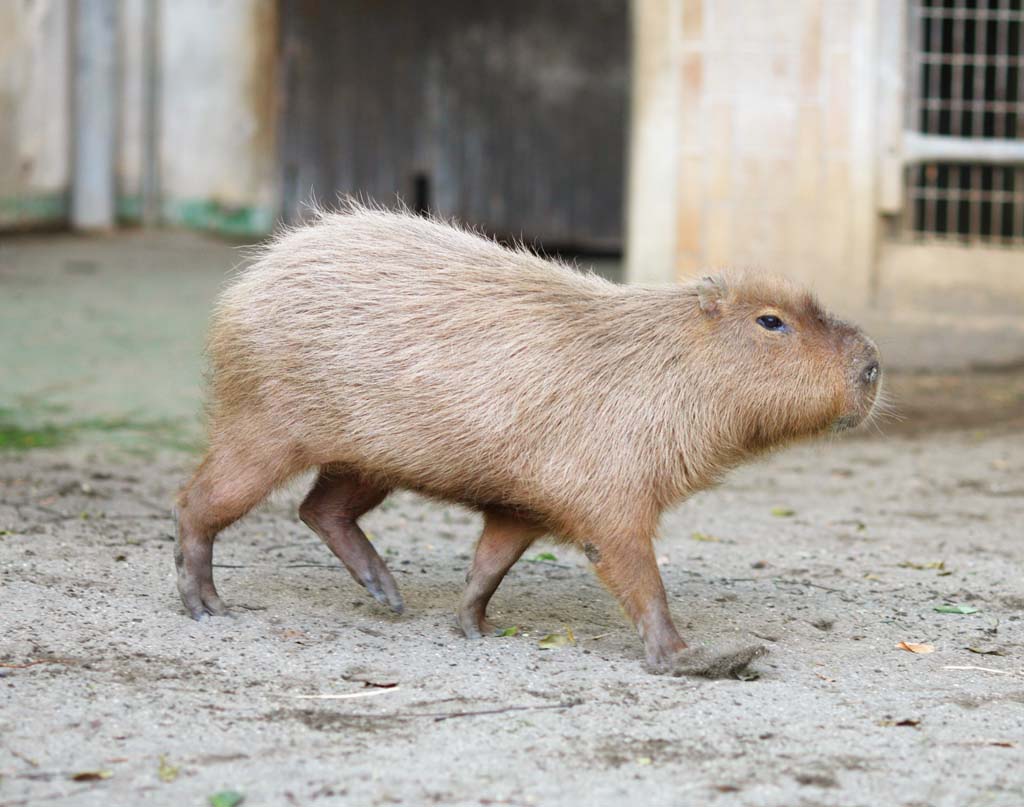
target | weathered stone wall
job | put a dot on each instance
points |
(34, 112)
(763, 152)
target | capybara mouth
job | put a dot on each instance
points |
(846, 422)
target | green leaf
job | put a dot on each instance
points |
(555, 640)
(509, 631)
(166, 771)
(226, 798)
(703, 536)
(783, 512)
(543, 557)
(956, 609)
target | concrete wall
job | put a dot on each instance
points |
(753, 129)
(218, 113)
(34, 112)
(216, 116)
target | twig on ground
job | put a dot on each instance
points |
(981, 669)
(38, 661)
(346, 695)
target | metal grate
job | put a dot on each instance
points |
(966, 71)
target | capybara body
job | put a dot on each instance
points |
(394, 351)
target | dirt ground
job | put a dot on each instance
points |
(830, 554)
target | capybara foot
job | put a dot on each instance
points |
(376, 578)
(475, 625)
(708, 662)
(199, 596)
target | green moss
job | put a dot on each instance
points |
(22, 433)
(41, 208)
(209, 214)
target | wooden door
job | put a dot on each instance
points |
(507, 115)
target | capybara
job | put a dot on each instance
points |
(394, 351)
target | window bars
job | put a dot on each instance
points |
(963, 146)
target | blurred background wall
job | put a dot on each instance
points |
(870, 147)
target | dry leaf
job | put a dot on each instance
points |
(915, 647)
(91, 776)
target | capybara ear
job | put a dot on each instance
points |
(710, 291)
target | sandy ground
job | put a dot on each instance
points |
(830, 554)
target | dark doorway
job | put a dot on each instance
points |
(507, 115)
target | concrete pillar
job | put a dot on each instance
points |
(652, 191)
(94, 118)
(151, 114)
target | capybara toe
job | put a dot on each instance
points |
(712, 662)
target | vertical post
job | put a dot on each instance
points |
(94, 117)
(654, 126)
(151, 113)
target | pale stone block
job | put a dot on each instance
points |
(765, 127)
(688, 266)
(718, 235)
(690, 218)
(693, 20)
(807, 166)
(840, 99)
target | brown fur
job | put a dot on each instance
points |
(393, 351)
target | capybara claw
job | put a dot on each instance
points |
(201, 607)
(383, 588)
(474, 627)
(708, 662)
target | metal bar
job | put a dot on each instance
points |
(94, 117)
(1002, 72)
(957, 88)
(1018, 202)
(922, 148)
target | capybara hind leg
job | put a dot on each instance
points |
(630, 571)
(222, 491)
(330, 510)
(502, 543)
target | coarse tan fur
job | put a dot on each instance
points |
(409, 353)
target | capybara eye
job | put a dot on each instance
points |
(771, 323)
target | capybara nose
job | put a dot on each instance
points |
(869, 375)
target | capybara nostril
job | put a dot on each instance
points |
(869, 375)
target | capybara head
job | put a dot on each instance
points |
(789, 368)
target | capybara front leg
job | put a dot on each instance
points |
(630, 571)
(504, 539)
(330, 510)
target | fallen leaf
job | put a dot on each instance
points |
(643, 760)
(783, 512)
(554, 640)
(543, 557)
(510, 631)
(166, 771)
(988, 651)
(703, 536)
(91, 776)
(226, 798)
(915, 647)
(935, 564)
(870, 576)
(904, 722)
(956, 609)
